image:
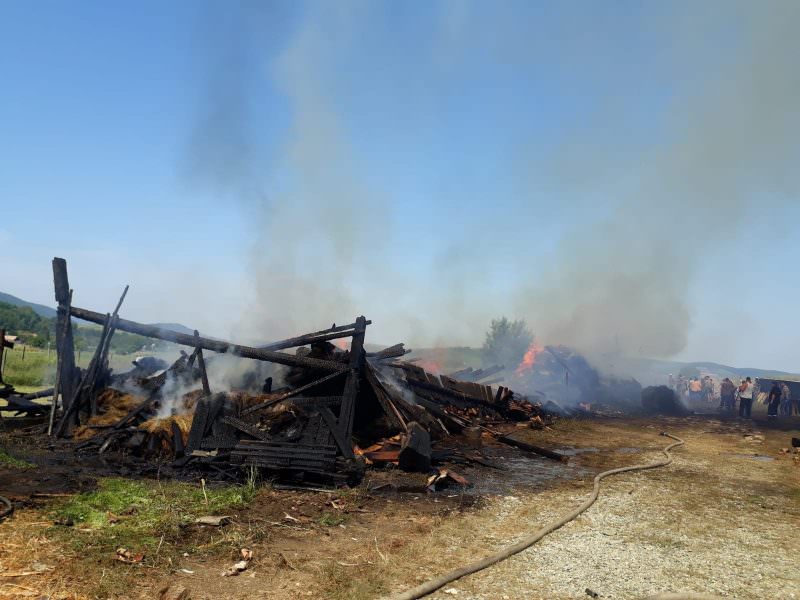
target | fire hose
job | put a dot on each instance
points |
(7, 510)
(434, 584)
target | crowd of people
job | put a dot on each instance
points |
(697, 390)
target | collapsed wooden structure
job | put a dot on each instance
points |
(336, 399)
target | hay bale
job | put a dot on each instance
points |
(661, 400)
(163, 427)
(112, 405)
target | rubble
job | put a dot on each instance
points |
(331, 403)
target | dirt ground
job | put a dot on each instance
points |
(723, 519)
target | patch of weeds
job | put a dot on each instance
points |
(331, 520)
(143, 516)
(6, 460)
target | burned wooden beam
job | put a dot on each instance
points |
(351, 386)
(532, 448)
(454, 394)
(487, 372)
(221, 346)
(325, 335)
(391, 352)
(415, 451)
(290, 394)
(201, 363)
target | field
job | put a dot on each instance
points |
(721, 519)
(35, 368)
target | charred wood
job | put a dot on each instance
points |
(153, 331)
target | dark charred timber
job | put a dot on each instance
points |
(462, 374)
(246, 428)
(532, 448)
(177, 441)
(456, 395)
(2, 349)
(41, 394)
(59, 367)
(415, 451)
(353, 382)
(4, 343)
(342, 441)
(395, 351)
(201, 363)
(310, 338)
(65, 346)
(483, 374)
(158, 333)
(288, 395)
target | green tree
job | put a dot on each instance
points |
(506, 342)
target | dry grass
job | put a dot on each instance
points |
(112, 405)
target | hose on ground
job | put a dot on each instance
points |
(7, 510)
(432, 585)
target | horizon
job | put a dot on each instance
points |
(613, 174)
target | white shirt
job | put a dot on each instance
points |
(747, 394)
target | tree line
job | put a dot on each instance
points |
(37, 331)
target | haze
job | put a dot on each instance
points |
(622, 175)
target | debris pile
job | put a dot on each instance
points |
(338, 411)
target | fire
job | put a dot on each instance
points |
(529, 359)
(431, 366)
(342, 344)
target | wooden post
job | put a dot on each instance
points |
(23, 352)
(65, 347)
(2, 352)
(201, 363)
(59, 368)
(353, 379)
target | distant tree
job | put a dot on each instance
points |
(689, 372)
(506, 342)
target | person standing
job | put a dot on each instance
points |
(695, 390)
(786, 400)
(774, 399)
(726, 392)
(745, 398)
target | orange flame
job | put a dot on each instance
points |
(529, 359)
(430, 365)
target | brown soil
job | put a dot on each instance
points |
(688, 525)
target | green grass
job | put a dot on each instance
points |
(37, 371)
(136, 514)
(6, 460)
(34, 371)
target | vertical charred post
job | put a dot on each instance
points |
(201, 363)
(65, 345)
(353, 378)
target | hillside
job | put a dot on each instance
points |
(39, 309)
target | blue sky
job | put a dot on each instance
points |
(258, 169)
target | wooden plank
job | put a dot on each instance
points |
(338, 435)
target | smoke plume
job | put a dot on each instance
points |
(659, 161)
